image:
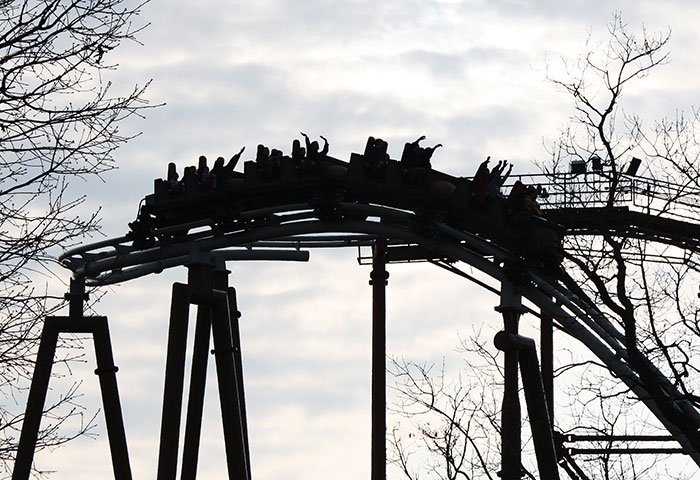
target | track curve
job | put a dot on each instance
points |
(340, 205)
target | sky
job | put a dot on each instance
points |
(468, 74)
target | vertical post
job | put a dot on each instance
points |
(511, 446)
(76, 297)
(378, 281)
(547, 355)
(174, 380)
(510, 413)
(540, 426)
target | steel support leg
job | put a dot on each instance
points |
(510, 414)
(535, 398)
(195, 402)
(511, 446)
(174, 381)
(378, 281)
(106, 372)
(231, 417)
(547, 356)
(35, 402)
(234, 316)
(208, 288)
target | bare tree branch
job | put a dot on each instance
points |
(58, 122)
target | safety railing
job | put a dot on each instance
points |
(595, 189)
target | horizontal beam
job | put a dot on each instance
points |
(618, 438)
(122, 275)
(625, 451)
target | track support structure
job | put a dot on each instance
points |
(106, 371)
(511, 444)
(217, 321)
(379, 280)
(520, 355)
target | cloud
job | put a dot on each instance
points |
(467, 74)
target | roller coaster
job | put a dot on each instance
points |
(279, 207)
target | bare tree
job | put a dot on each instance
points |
(636, 273)
(641, 272)
(451, 421)
(59, 122)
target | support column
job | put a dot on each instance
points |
(547, 356)
(234, 316)
(195, 402)
(107, 373)
(35, 402)
(174, 383)
(379, 281)
(511, 446)
(208, 289)
(227, 375)
(540, 425)
(228, 392)
(98, 327)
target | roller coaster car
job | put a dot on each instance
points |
(389, 182)
(530, 237)
(542, 247)
(369, 178)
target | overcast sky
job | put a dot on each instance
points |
(468, 74)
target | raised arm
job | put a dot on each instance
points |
(324, 151)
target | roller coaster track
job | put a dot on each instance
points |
(337, 211)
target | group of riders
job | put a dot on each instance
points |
(520, 207)
(415, 165)
(267, 162)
